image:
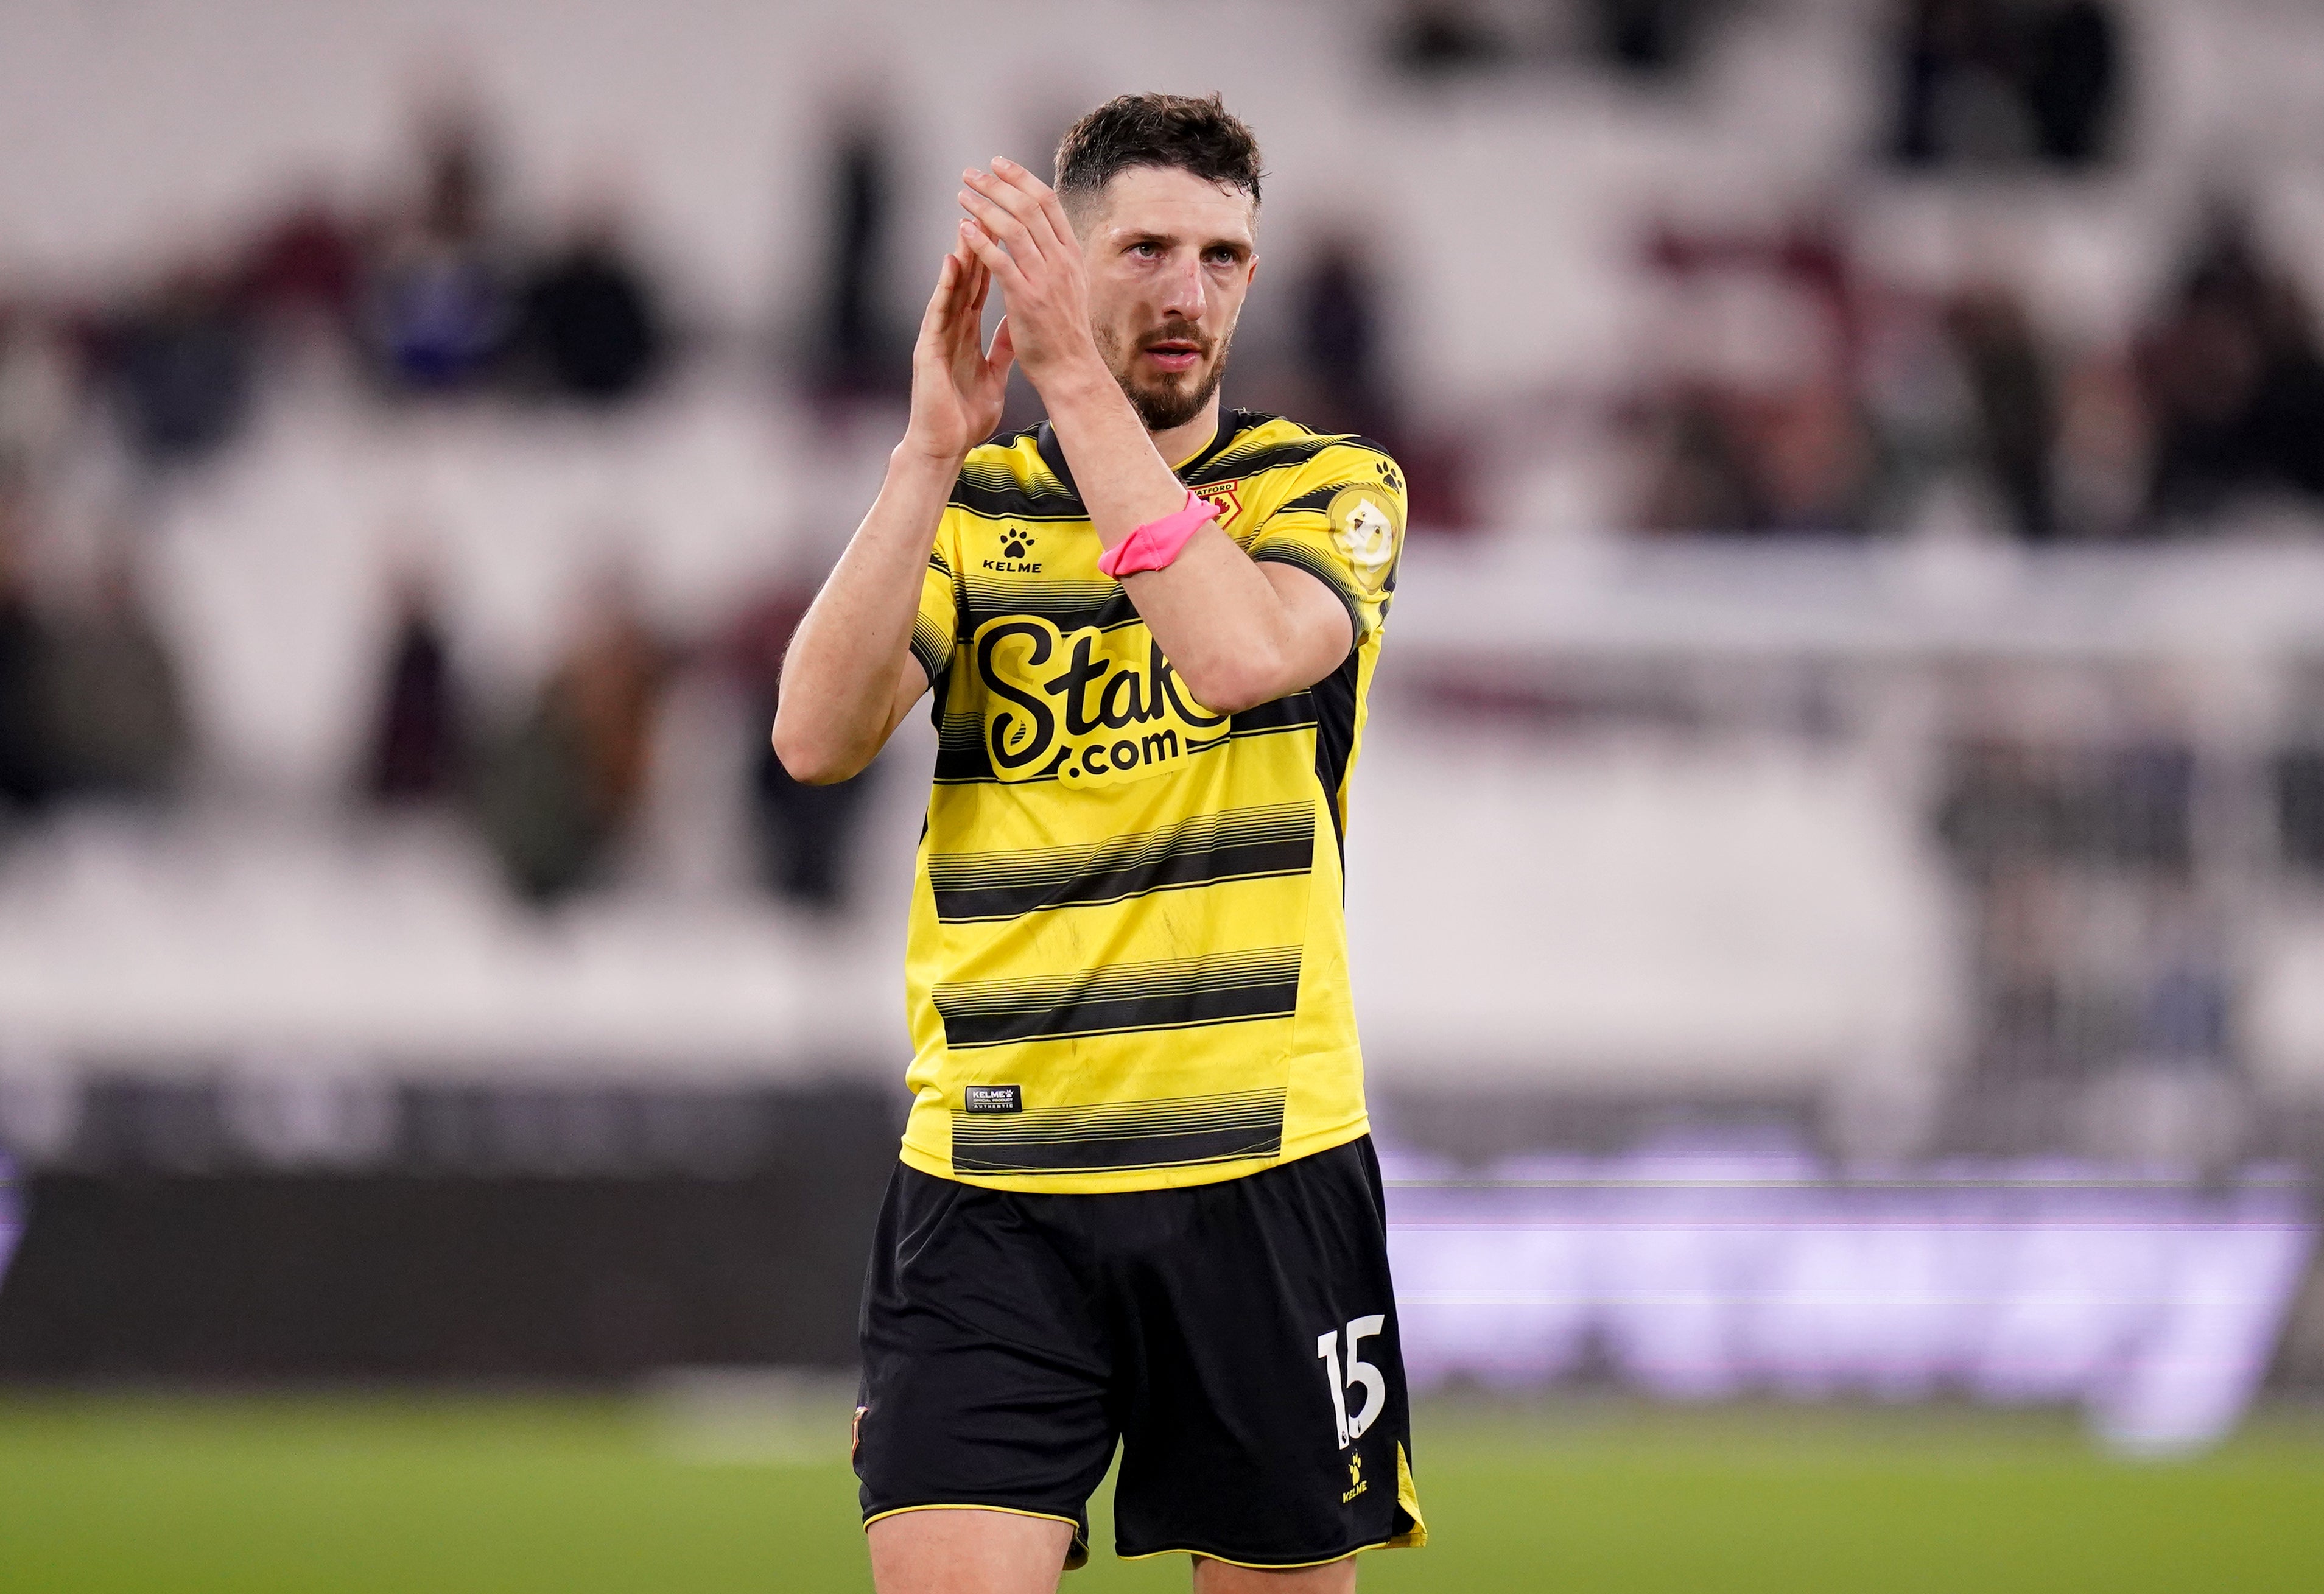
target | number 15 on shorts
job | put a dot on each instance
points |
(1361, 1374)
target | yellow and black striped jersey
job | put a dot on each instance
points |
(1127, 965)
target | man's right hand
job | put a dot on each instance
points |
(958, 386)
(849, 675)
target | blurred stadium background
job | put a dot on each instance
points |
(1838, 876)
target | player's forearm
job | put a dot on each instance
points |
(1219, 620)
(1123, 479)
(1223, 625)
(839, 697)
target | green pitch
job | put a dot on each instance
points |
(382, 1495)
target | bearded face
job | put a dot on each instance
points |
(1169, 372)
(1170, 258)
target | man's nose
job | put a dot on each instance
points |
(1182, 294)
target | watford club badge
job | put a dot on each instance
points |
(1367, 524)
(1227, 496)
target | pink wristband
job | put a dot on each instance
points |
(1154, 544)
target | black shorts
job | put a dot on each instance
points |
(1238, 1339)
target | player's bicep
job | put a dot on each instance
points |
(1344, 529)
(1318, 629)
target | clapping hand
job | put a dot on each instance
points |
(1017, 232)
(958, 385)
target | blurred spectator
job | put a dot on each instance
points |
(1730, 454)
(2090, 951)
(26, 765)
(1816, 460)
(533, 803)
(417, 748)
(2182, 1013)
(592, 329)
(1796, 462)
(113, 705)
(1988, 82)
(612, 679)
(561, 793)
(307, 265)
(855, 339)
(805, 833)
(1917, 400)
(2074, 76)
(1339, 308)
(40, 393)
(180, 367)
(2102, 465)
(1957, 99)
(2032, 1020)
(1442, 37)
(2234, 381)
(2015, 408)
(2129, 806)
(2300, 807)
(1697, 478)
(438, 305)
(2001, 808)
(1649, 38)
(2145, 814)
(2299, 771)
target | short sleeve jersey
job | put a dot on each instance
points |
(1127, 967)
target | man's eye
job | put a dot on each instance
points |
(1144, 250)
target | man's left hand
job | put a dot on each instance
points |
(1017, 228)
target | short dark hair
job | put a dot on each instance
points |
(1198, 136)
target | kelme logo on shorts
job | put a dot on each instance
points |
(993, 1097)
(1095, 709)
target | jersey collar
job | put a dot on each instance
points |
(1233, 424)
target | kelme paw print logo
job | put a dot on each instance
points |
(1015, 544)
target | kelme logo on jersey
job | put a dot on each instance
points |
(1016, 543)
(1092, 708)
